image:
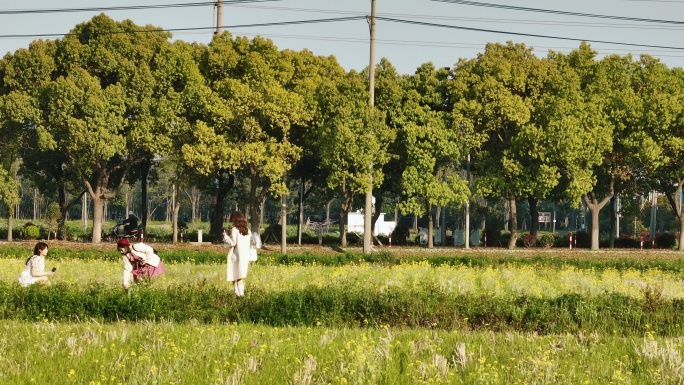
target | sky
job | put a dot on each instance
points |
(408, 32)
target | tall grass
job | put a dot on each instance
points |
(171, 353)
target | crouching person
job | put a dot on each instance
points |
(140, 262)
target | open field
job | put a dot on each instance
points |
(169, 353)
(325, 316)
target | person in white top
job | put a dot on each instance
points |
(139, 262)
(35, 267)
(238, 239)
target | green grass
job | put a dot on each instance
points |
(409, 295)
(343, 318)
(170, 353)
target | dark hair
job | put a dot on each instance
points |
(239, 222)
(40, 246)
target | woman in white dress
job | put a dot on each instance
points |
(35, 267)
(238, 239)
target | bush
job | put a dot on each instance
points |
(547, 240)
(665, 240)
(31, 231)
(399, 234)
(627, 243)
(348, 306)
(581, 239)
(494, 238)
(52, 214)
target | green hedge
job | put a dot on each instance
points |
(384, 258)
(346, 307)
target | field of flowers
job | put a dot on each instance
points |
(492, 320)
(168, 353)
(506, 280)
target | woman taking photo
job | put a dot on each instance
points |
(35, 267)
(140, 262)
(238, 239)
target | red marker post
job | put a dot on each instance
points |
(390, 240)
(485, 239)
(142, 235)
(571, 240)
(21, 233)
(641, 240)
(181, 235)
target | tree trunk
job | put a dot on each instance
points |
(677, 208)
(254, 204)
(283, 221)
(225, 183)
(145, 172)
(595, 208)
(10, 223)
(176, 207)
(594, 228)
(343, 232)
(300, 212)
(195, 197)
(681, 232)
(431, 225)
(514, 222)
(613, 222)
(327, 211)
(99, 193)
(98, 209)
(376, 214)
(534, 214)
(344, 210)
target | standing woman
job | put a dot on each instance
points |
(35, 267)
(238, 239)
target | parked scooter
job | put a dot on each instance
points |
(117, 232)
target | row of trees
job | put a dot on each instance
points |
(104, 104)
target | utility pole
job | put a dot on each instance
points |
(283, 222)
(467, 209)
(368, 210)
(617, 215)
(219, 17)
(654, 208)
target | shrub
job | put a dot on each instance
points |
(547, 240)
(51, 214)
(529, 240)
(665, 240)
(494, 238)
(399, 234)
(582, 239)
(273, 231)
(627, 242)
(31, 231)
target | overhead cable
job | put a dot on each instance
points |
(125, 7)
(271, 24)
(524, 34)
(556, 12)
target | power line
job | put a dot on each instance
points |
(424, 43)
(352, 18)
(465, 18)
(555, 12)
(273, 24)
(524, 34)
(125, 8)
